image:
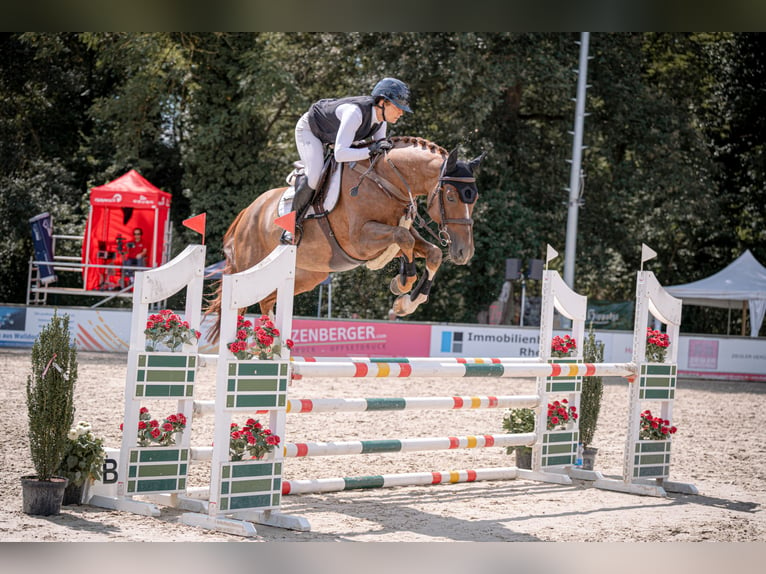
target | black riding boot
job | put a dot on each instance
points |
(301, 201)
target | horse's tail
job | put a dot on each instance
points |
(214, 305)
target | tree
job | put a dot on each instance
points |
(673, 135)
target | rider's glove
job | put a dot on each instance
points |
(379, 147)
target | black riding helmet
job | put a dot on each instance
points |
(395, 91)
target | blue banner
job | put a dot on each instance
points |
(42, 237)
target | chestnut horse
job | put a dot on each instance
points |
(370, 224)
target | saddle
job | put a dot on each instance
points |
(325, 199)
(327, 193)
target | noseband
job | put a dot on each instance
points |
(444, 236)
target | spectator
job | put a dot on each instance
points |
(137, 254)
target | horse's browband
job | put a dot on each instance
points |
(459, 179)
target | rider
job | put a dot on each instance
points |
(341, 123)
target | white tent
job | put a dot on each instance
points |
(743, 280)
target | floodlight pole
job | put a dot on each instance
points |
(575, 172)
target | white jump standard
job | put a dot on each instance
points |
(242, 493)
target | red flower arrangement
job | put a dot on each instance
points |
(167, 328)
(563, 346)
(657, 344)
(252, 438)
(655, 428)
(560, 413)
(260, 341)
(153, 433)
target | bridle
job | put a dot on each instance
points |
(438, 191)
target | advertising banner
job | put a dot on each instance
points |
(736, 359)
(328, 338)
(484, 341)
(92, 330)
(610, 315)
(108, 330)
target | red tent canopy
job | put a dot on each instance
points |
(116, 209)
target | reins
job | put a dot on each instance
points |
(394, 192)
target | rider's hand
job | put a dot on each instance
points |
(379, 147)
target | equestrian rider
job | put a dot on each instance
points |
(341, 123)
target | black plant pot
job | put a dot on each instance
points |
(523, 457)
(42, 497)
(589, 458)
(73, 494)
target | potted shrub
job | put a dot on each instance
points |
(252, 438)
(83, 461)
(260, 341)
(652, 451)
(166, 330)
(153, 433)
(518, 421)
(50, 410)
(590, 399)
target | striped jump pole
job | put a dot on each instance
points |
(415, 369)
(298, 406)
(411, 403)
(478, 360)
(294, 450)
(378, 446)
(310, 486)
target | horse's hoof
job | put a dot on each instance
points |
(397, 288)
(404, 305)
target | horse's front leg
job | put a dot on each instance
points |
(379, 243)
(408, 273)
(406, 304)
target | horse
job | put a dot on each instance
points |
(370, 225)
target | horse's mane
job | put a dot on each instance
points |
(403, 141)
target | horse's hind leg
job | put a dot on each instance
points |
(406, 304)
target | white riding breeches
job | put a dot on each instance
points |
(310, 149)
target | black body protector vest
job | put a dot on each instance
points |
(324, 123)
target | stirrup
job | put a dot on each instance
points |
(288, 238)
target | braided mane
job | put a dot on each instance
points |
(402, 141)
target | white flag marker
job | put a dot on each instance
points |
(647, 253)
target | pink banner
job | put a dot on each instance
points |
(327, 338)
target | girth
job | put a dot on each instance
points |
(340, 260)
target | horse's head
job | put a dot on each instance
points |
(451, 204)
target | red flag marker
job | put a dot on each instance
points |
(197, 223)
(286, 222)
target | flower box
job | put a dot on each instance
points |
(165, 375)
(563, 384)
(657, 381)
(559, 447)
(250, 485)
(257, 384)
(651, 459)
(157, 470)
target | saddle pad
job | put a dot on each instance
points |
(331, 198)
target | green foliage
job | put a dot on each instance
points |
(517, 421)
(50, 395)
(674, 132)
(592, 389)
(83, 458)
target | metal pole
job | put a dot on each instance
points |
(523, 300)
(575, 172)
